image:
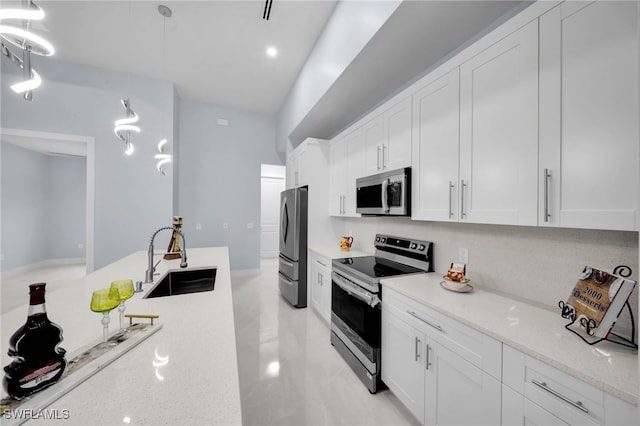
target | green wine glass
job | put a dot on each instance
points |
(125, 289)
(104, 301)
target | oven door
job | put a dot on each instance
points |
(356, 314)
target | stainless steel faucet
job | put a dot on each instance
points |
(148, 276)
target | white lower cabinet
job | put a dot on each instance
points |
(533, 392)
(447, 373)
(425, 364)
(319, 279)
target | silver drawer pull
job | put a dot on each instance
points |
(437, 327)
(577, 404)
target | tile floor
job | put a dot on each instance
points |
(289, 372)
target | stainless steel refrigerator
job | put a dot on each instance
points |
(292, 275)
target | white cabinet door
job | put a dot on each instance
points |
(387, 139)
(436, 120)
(355, 165)
(396, 145)
(337, 176)
(589, 127)
(519, 411)
(457, 392)
(499, 131)
(403, 362)
(320, 282)
(347, 164)
(372, 141)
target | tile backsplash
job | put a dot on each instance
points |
(540, 265)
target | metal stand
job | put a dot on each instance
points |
(589, 324)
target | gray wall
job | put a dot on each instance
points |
(131, 197)
(214, 178)
(43, 207)
(219, 178)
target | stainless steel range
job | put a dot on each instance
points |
(355, 300)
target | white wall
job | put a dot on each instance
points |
(43, 207)
(349, 29)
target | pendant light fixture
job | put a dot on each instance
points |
(124, 126)
(162, 157)
(22, 38)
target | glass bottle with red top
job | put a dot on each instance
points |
(39, 361)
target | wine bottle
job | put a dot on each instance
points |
(39, 362)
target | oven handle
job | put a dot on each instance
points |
(355, 290)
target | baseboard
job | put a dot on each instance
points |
(42, 264)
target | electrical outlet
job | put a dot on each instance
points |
(80, 246)
(225, 225)
(198, 226)
(250, 225)
(463, 255)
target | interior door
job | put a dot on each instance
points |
(272, 183)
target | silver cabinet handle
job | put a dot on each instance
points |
(384, 148)
(417, 351)
(543, 385)
(462, 191)
(437, 327)
(428, 362)
(450, 202)
(319, 278)
(547, 178)
(378, 158)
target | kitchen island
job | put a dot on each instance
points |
(186, 373)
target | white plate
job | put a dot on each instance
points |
(456, 287)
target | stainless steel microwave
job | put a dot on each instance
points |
(385, 193)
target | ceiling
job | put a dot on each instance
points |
(214, 51)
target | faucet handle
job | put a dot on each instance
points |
(138, 287)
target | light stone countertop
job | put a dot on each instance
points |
(334, 252)
(199, 383)
(532, 330)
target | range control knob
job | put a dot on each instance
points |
(421, 247)
(383, 240)
(413, 246)
(377, 239)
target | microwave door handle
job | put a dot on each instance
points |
(385, 195)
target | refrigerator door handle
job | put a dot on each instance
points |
(284, 222)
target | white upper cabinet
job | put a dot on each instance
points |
(372, 140)
(589, 116)
(435, 149)
(387, 139)
(346, 165)
(499, 132)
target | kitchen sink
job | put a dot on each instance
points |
(184, 282)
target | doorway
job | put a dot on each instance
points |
(272, 183)
(57, 144)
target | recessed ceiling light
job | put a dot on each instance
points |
(272, 51)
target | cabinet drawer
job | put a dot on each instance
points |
(566, 397)
(321, 262)
(473, 346)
